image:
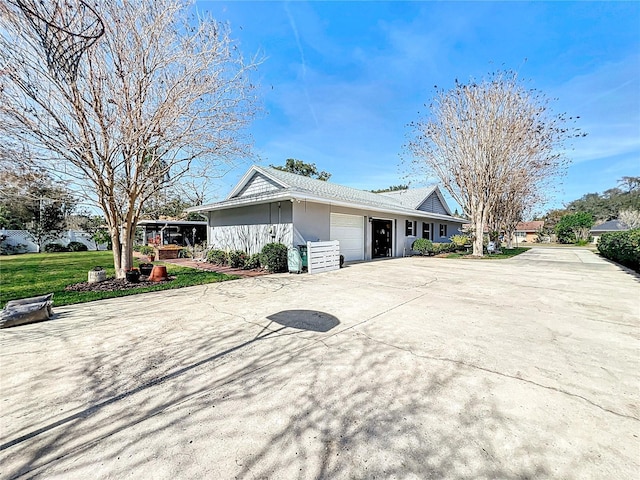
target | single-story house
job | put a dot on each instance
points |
(172, 232)
(270, 205)
(610, 226)
(527, 232)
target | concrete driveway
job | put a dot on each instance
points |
(408, 368)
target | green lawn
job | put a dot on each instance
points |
(39, 273)
(506, 253)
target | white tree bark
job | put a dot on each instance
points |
(161, 97)
(631, 218)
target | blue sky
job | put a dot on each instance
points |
(341, 81)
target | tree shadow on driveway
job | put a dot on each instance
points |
(229, 398)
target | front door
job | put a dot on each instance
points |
(382, 238)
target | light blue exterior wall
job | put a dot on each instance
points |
(251, 227)
(312, 220)
(267, 213)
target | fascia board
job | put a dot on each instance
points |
(362, 206)
(242, 202)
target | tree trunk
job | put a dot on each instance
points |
(116, 248)
(509, 236)
(478, 238)
(477, 218)
(126, 259)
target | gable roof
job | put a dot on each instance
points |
(414, 198)
(610, 226)
(530, 226)
(279, 185)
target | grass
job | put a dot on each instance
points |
(505, 253)
(34, 274)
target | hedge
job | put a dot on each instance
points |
(274, 257)
(621, 247)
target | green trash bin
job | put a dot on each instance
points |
(304, 255)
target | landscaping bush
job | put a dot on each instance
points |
(146, 250)
(274, 257)
(237, 258)
(218, 257)
(6, 249)
(459, 241)
(253, 262)
(423, 246)
(184, 253)
(77, 247)
(622, 247)
(444, 247)
(55, 248)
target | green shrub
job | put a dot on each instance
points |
(136, 247)
(459, 241)
(444, 247)
(622, 247)
(55, 248)
(423, 246)
(218, 257)
(574, 227)
(77, 247)
(253, 262)
(146, 250)
(184, 253)
(6, 249)
(274, 257)
(237, 258)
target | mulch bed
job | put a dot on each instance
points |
(112, 285)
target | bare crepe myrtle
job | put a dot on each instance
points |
(160, 98)
(494, 145)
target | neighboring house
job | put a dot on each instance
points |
(176, 232)
(610, 226)
(270, 205)
(527, 232)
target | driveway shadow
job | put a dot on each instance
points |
(312, 320)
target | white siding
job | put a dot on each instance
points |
(250, 238)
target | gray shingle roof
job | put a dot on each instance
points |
(330, 190)
(411, 198)
(610, 226)
(297, 185)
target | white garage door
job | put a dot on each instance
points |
(349, 231)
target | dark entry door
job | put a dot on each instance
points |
(382, 238)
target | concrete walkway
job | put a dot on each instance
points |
(409, 368)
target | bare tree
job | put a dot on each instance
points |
(485, 140)
(631, 218)
(511, 207)
(160, 97)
